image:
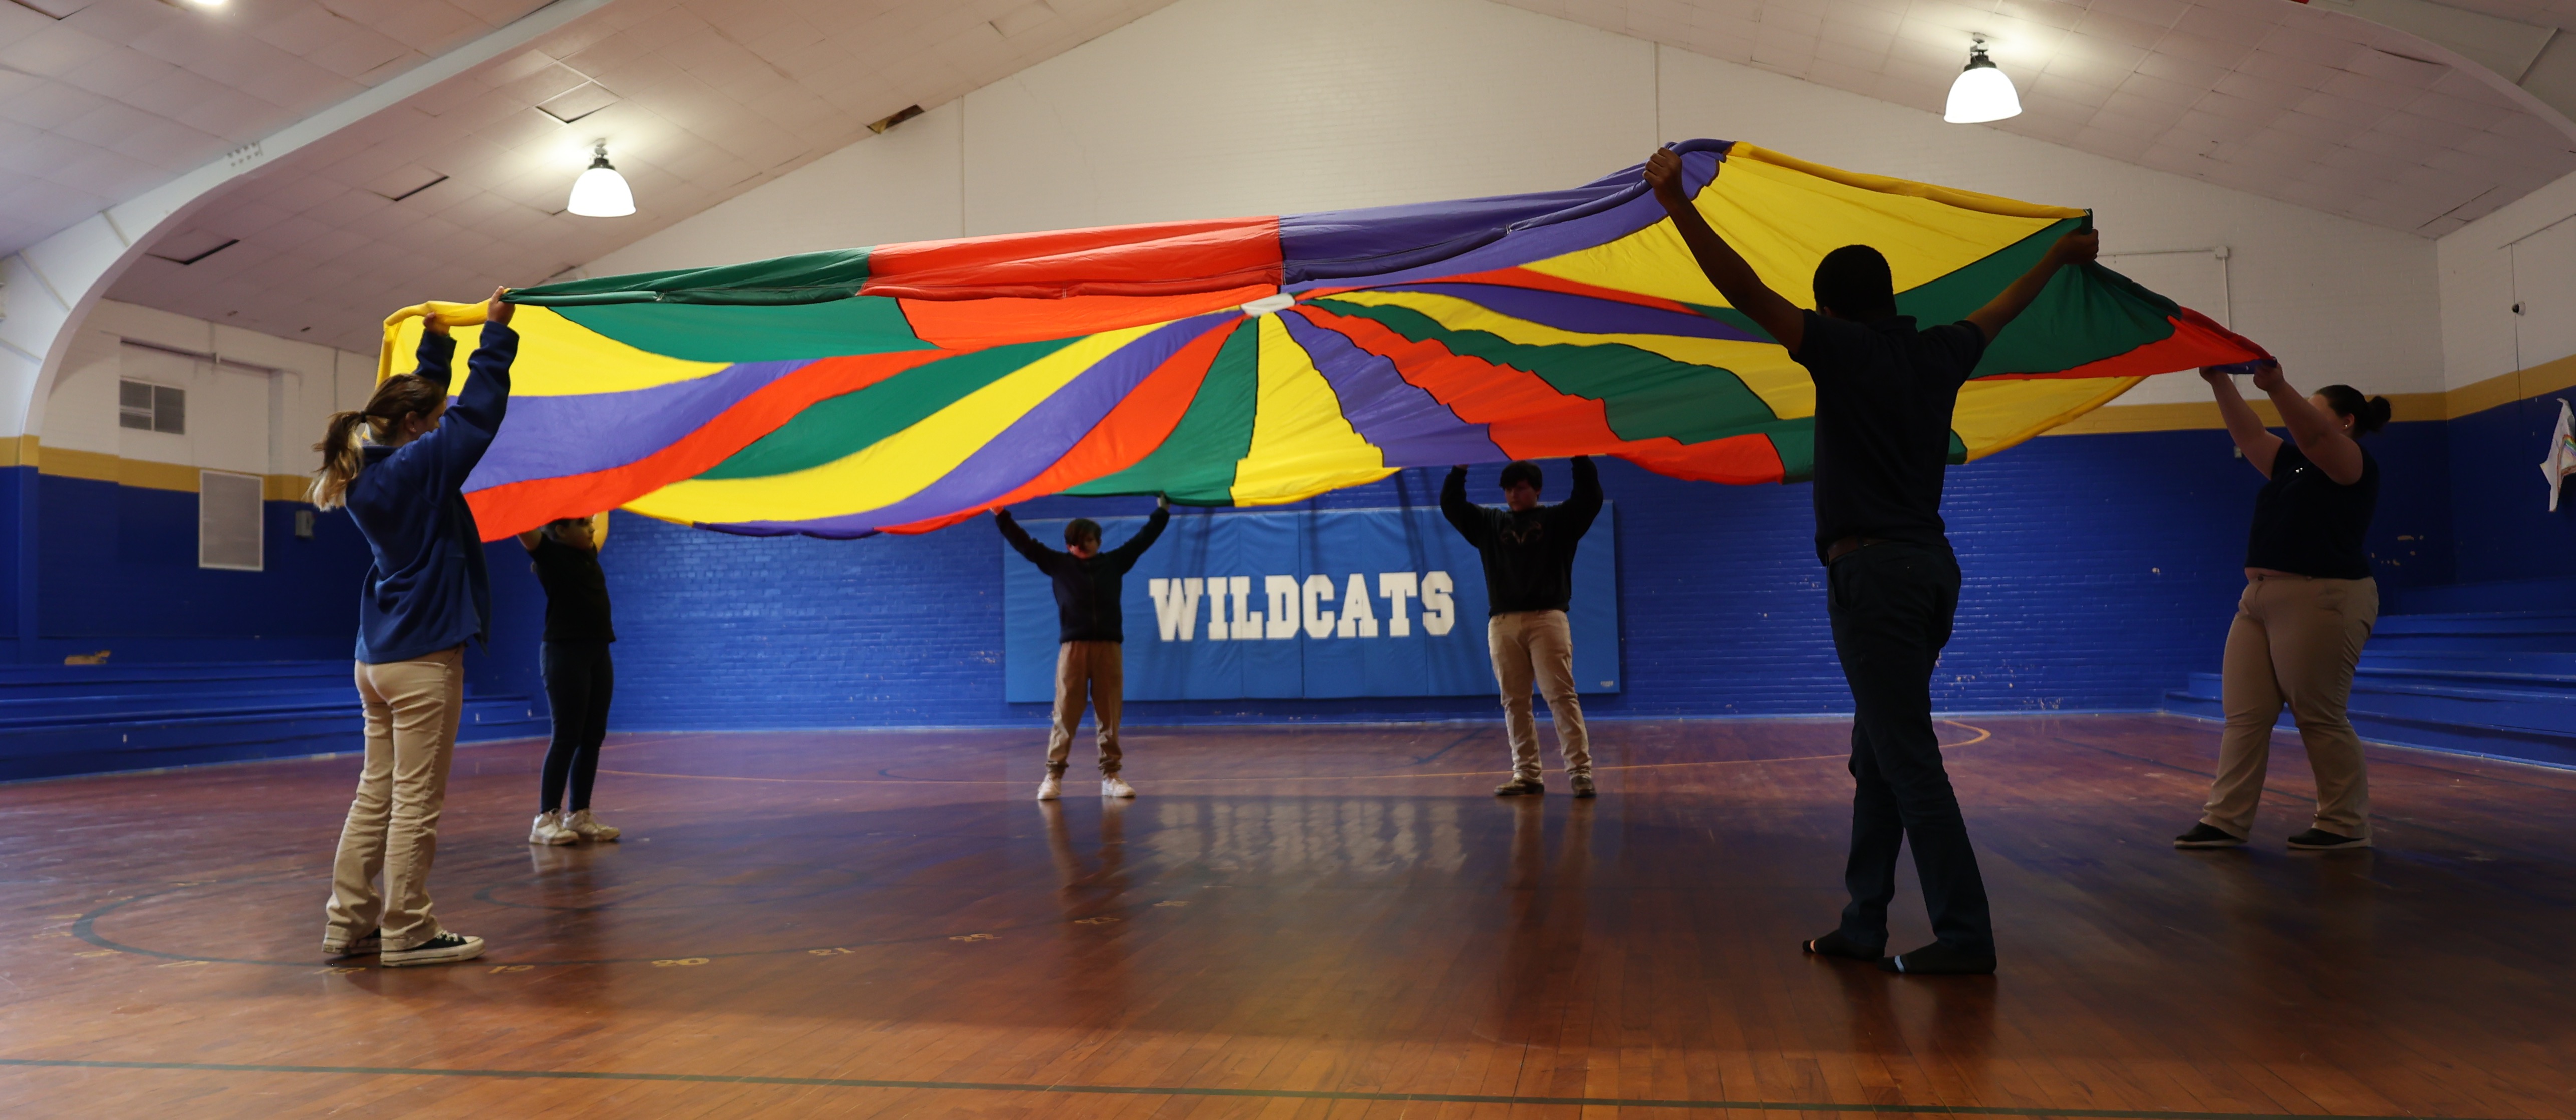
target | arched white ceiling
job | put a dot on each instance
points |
(708, 98)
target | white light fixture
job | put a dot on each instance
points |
(601, 192)
(1981, 92)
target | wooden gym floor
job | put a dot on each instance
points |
(1295, 922)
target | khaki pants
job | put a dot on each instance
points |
(2295, 640)
(1538, 645)
(412, 709)
(1093, 671)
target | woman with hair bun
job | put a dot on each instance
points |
(2308, 606)
(425, 596)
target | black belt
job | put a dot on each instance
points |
(1849, 545)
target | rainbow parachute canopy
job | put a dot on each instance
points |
(903, 388)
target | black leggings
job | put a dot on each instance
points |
(578, 681)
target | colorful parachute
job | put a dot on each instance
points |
(907, 387)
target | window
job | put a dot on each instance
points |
(146, 407)
(229, 529)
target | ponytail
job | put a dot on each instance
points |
(2369, 414)
(397, 399)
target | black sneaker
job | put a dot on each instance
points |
(1518, 786)
(445, 948)
(2320, 840)
(1836, 945)
(1937, 959)
(2208, 836)
(1583, 786)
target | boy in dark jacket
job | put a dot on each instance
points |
(1092, 624)
(1528, 552)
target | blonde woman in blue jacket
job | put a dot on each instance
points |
(426, 595)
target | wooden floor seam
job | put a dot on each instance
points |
(1881, 1109)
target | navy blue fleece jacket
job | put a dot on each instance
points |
(426, 588)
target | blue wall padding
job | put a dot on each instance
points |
(2100, 570)
(2500, 500)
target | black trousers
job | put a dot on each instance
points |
(579, 678)
(1892, 605)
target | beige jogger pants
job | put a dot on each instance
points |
(1538, 646)
(2295, 641)
(412, 710)
(1094, 670)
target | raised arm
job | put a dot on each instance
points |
(435, 358)
(1580, 508)
(1038, 554)
(2312, 428)
(1127, 553)
(1464, 516)
(1736, 280)
(2257, 442)
(2075, 248)
(466, 431)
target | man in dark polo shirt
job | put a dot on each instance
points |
(1884, 395)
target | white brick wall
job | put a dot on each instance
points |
(1230, 107)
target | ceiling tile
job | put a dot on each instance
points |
(2180, 69)
(54, 51)
(2456, 110)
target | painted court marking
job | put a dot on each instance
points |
(1982, 736)
(1182, 1091)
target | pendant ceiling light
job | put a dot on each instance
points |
(601, 192)
(1981, 92)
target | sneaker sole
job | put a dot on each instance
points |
(2298, 847)
(445, 956)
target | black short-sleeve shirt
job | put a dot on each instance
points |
(2308, 524)
(1884, 395)
(576, 592)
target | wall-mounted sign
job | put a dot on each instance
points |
(1335, 603)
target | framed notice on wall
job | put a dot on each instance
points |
(1331, 603)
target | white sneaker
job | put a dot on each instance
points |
(588, 827)
(1115, 786)
(442, 949)
(1051, 789)
(549, 828)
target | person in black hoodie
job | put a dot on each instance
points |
(1092, 624)
(1528, 552)
(578, 673)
